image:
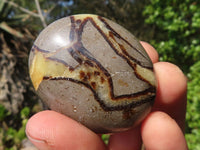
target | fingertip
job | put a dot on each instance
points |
(171, 80)
(153, 54)
(160, 132)
(37, 133)
(127, 140)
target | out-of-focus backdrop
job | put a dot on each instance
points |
(171, 26)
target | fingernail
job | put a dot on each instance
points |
(33, 139)
(39, 143)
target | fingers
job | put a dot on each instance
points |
(153, 54)
(128, 140)
(161, 132)
(172, 87)
(49, 130)
(171, 91)
(171, 98)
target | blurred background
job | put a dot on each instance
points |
(171, 26)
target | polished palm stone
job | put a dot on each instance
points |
(94, 71)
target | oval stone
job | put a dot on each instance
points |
(94, 71)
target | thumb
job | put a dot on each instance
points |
(51, 130)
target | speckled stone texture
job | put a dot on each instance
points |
(94, 71)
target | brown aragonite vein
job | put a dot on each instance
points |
(106, 107)
(123, 55)
(113, 33)
(57, 70)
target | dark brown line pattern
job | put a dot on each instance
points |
(133, 104)
(111, 45)
(118, 36)
(72, 31)
(36, 48)
(85, 52)
(83, 56)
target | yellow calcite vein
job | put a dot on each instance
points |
(146, 74)
(41, 67)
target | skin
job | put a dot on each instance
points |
(162, 129)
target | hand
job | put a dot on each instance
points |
(163, 129)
